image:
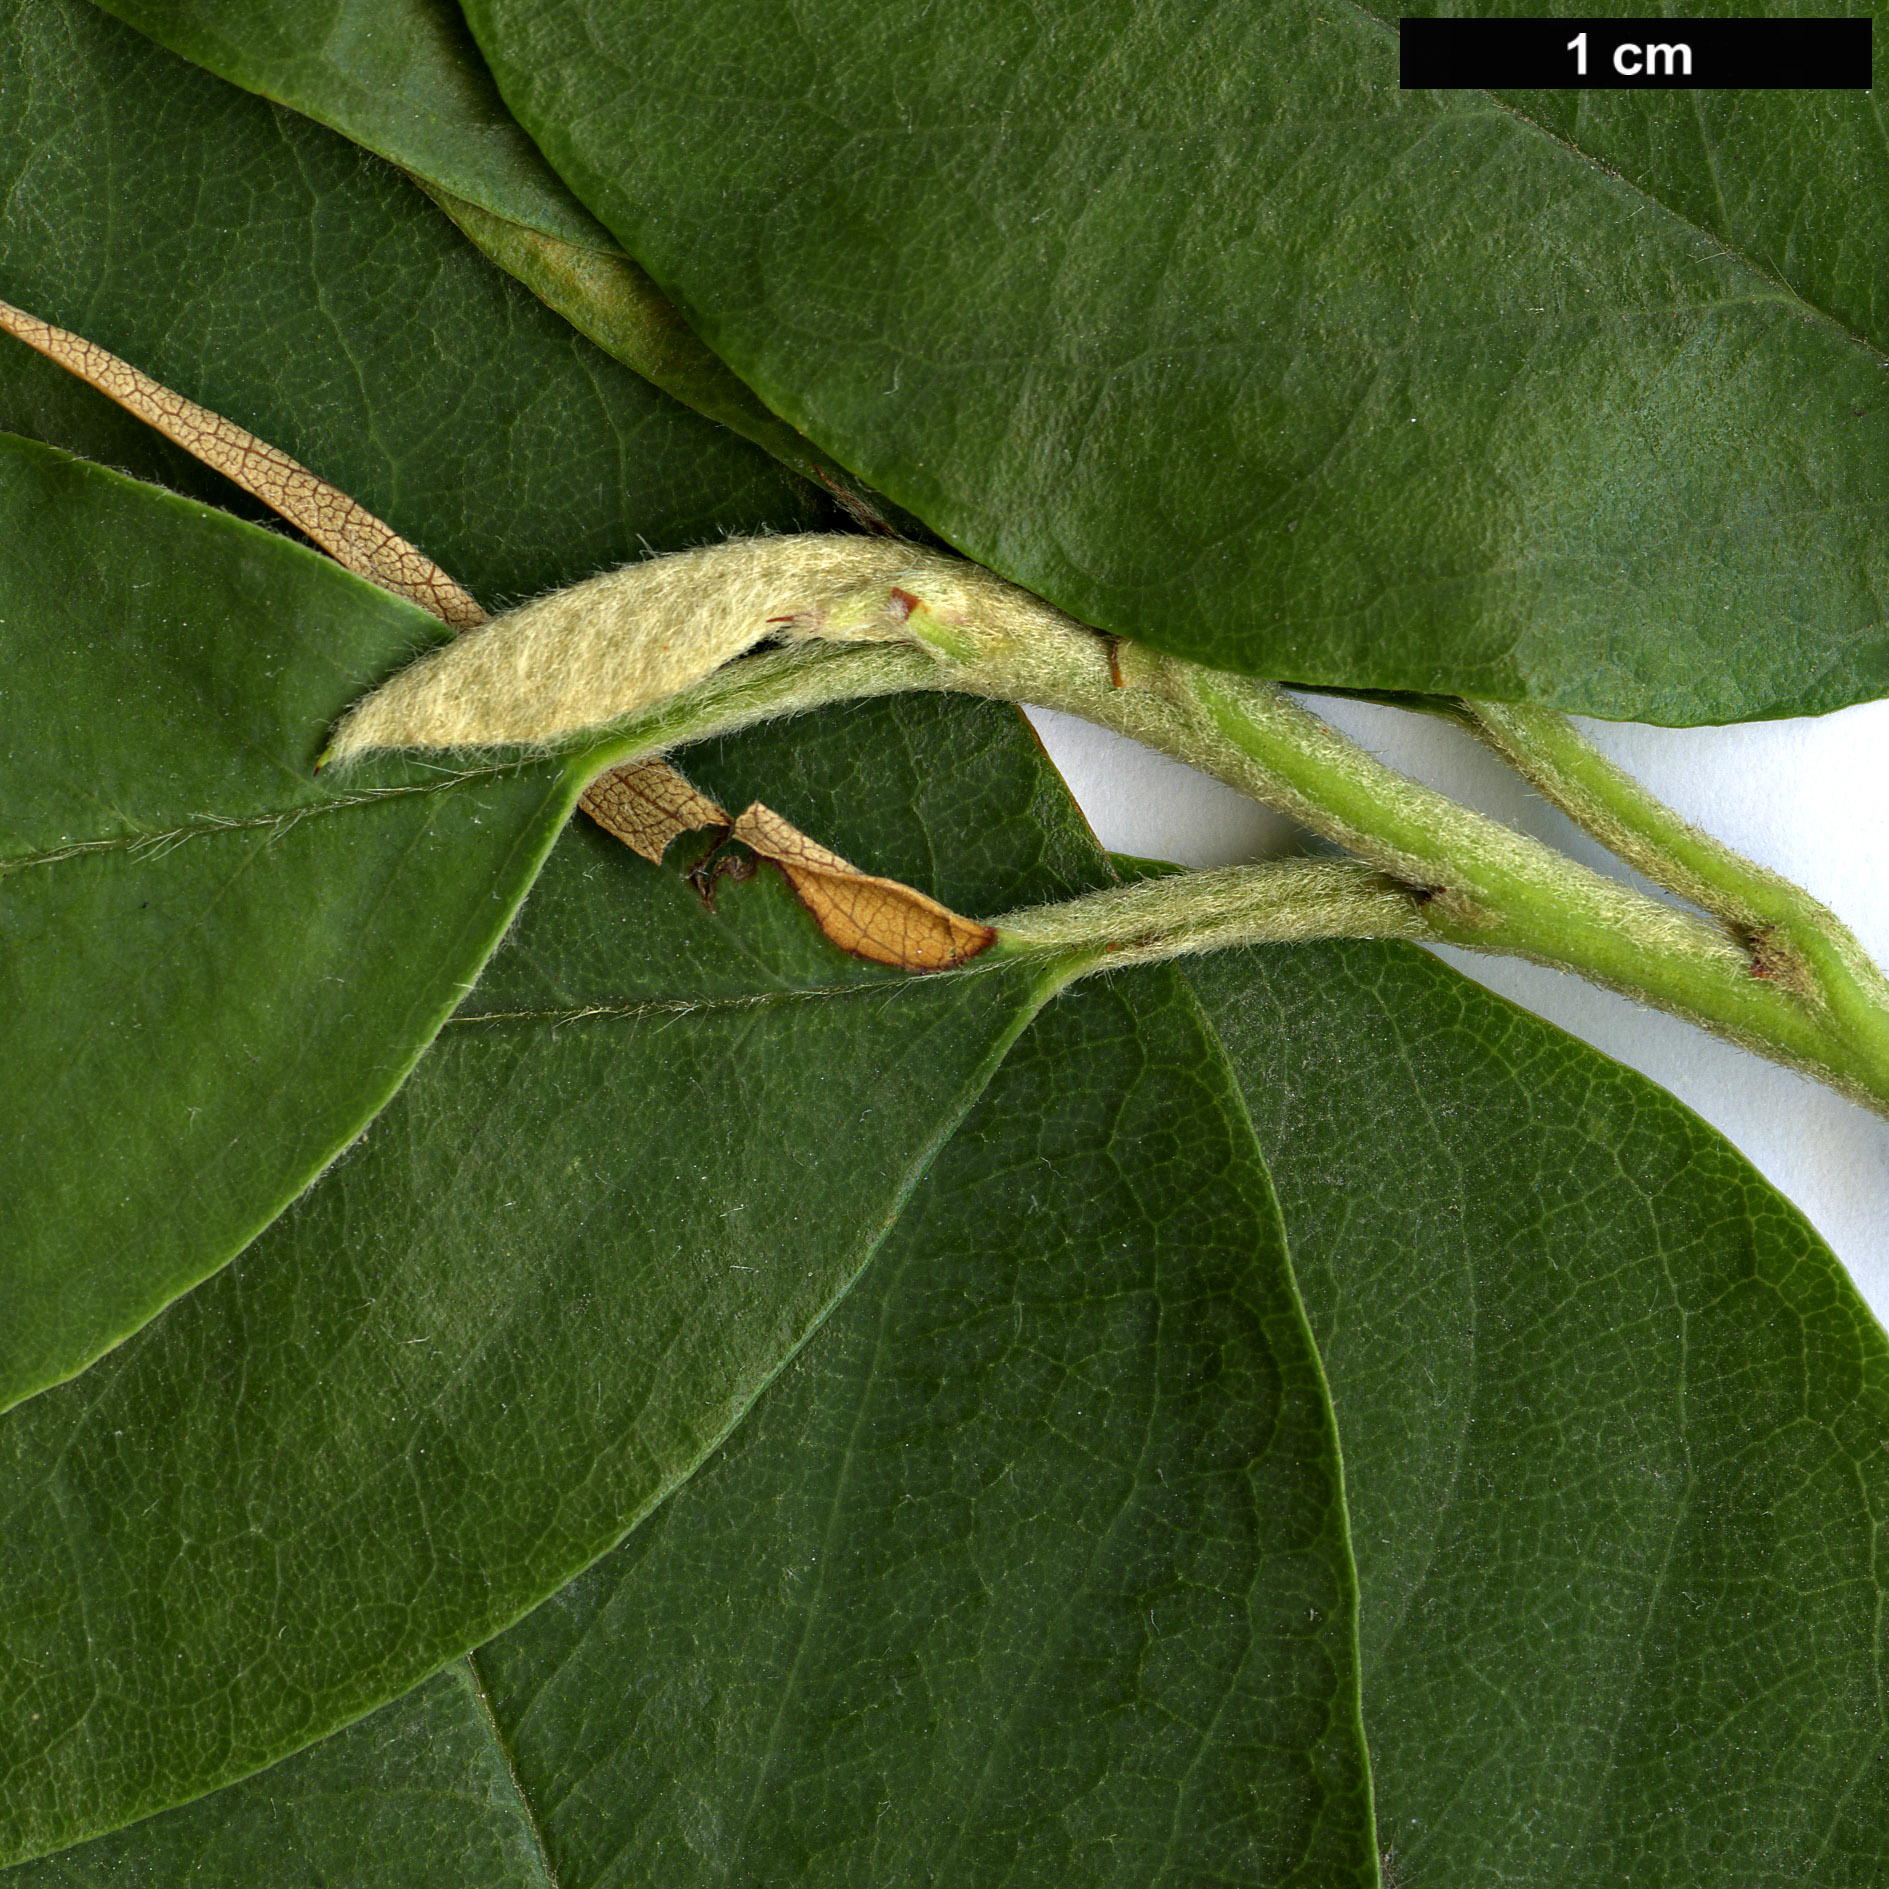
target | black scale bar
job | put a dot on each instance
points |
(1634, 55)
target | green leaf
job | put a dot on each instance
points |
(612, 301)
(170, 674)
(416, 1797)
(1760, 170)
(1614, 1424)
(270, 270)
(1200, 327)
(636, 1170)
(403, 79)
(1030, 1569)
(217, 966)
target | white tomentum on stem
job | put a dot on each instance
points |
(641, 660)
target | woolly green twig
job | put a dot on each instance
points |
(1778, 974)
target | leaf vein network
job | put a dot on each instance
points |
(1725, 247)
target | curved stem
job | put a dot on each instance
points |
(1484, 886)
(1792, 938)
(755, 689)
(1442, 871)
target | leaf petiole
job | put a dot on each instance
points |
(1791, 937)
(1775, 973)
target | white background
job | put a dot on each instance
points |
(1808, 798)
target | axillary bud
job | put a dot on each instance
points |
(585, 657)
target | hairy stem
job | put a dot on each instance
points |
(1480, 884)
(1176, 915)
(757, 689)
(1769, 969)
(1792, 938)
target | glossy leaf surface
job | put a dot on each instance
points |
(633, 1174)
(280, 276)
(1615, 1427)
(216, 966)
(1200, 327)
(1030, 1568)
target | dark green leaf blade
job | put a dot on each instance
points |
(1200, 327)
(416, 1797)
(266, 266)
(217, 966)
(403, 79)
(1031, 1568)
(1614, 1424)
(636, 1170)
(278, 275)
(1768, 173)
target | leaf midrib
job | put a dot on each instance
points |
(488, 1717)
(555, 1016)
(163, 839)
(1730, 251)
(488, 1713)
